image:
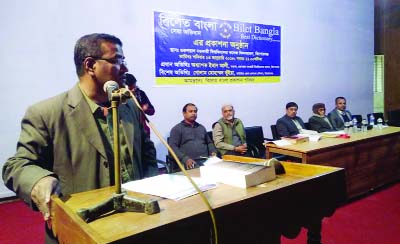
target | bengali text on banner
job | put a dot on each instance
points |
(194, 50)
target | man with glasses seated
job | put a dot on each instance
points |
(339, 115)
(319, 121)
(190, 140)
(65, 144)
(290, 124)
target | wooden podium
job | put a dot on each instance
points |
(258, 214)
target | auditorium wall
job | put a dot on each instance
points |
(327, 50)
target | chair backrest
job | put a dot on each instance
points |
(376, 117)
(307, 126)
(274, 132)
(358, 117)
(170, 163)
(394, 117)
(255, 141)
(210, 135)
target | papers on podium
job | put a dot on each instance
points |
(171, 186)
(237, 174)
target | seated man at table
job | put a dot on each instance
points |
(319, 121)
(290, 124)
(339, 115)
(228, 133)
(189, 139)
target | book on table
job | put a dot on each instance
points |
(295, 139)
(237, 174)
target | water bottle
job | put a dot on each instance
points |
(354, 125)
(371, 120)
(364, 125)
(347, 127)
(380, 121)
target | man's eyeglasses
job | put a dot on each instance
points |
(115, 60)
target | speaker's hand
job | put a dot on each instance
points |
(41, 193)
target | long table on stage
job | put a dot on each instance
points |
(258, 214)
(371, 159)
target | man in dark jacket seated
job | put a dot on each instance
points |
(290, 124)
(319, 121)
(190, 140)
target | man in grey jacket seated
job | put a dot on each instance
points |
(190, 140)
(339, 115)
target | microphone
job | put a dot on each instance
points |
(109, 87)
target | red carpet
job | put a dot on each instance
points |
(20, 225)
(371, 220)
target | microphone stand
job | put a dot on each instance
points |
(115, 100)
(120, 201)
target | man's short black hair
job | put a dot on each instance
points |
(186, 105)
(90, 46)
(291, 104)
(336, 99)
(130, 79)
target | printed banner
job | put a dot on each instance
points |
(195, 50)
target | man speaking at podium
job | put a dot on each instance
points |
(65, 144)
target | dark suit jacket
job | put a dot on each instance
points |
(337, 120)
(60, 137)
(286, 127)
(319, 124)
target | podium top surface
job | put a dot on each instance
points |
(113, 227)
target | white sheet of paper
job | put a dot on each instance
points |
(314, 138)
(171, 186)
(308, 132)
(212, 160)
(281, 143)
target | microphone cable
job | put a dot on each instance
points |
(205, 200)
